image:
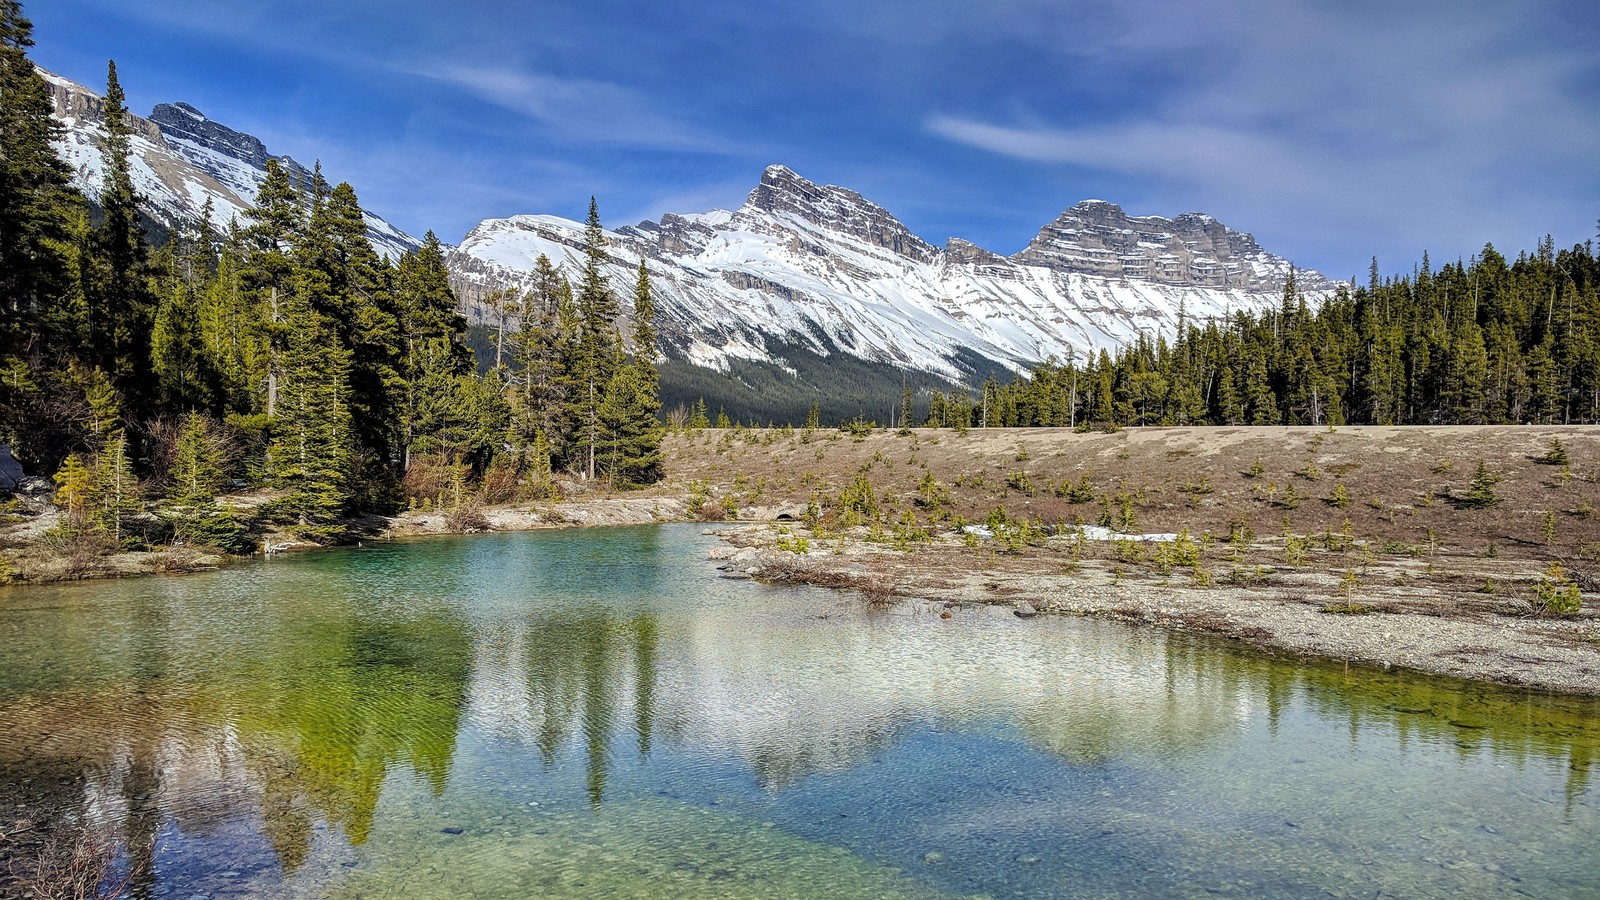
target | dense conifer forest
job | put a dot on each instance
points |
(285, 356)
(1478, 343)
(282, 354)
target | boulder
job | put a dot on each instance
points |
(11, 474)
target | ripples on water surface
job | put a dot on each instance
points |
(595, 713)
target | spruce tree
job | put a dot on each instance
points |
(118, 491)
(349, 284)
(199, 462)
(629, 412)
(37, 201)
(313, 450)
(184, 376)
(596, 348)
(121, 308)
(267, 272)
(430, 322)
(630, 451)
(539, 391)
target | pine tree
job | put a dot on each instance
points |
(75, 491)
(631, 450)
(276, 221)
(539, 391)
(121, 308)
(182, 369)
(119, 494)
(595, 350)
(199, 461)
(629, 413)
(644, 320)
(349, 285)
(313, 450)
(430, 322)
(37, 201)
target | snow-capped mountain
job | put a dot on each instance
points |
(823, 269)
(180, 159)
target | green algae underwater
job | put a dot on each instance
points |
(598, 713)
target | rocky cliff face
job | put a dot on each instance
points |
(782, 192)
(821, 268)
(180, 160)
(1098, 238)
(211, 146)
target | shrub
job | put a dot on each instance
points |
(1555, 456)
(1481, 494)
(1556, 595)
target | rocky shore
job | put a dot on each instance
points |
(1398, 621)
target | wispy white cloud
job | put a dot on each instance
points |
(580, 110)
(1327, 122)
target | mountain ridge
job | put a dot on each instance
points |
(821, 267)
(180, 159)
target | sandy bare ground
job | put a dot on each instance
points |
(1426, 582)
(1409, 625)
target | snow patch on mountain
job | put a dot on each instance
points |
(179, 160)
(822, 268)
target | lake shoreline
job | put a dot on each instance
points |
(1552, 655)
(1399, 574)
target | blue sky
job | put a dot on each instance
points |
(1334, 130)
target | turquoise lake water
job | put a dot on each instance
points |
(598, 713)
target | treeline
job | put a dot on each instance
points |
(284, 353)
(1485, 342)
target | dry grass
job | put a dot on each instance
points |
(79, 866)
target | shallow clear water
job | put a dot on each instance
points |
(596, 713)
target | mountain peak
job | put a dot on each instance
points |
(782, 191)
(182, 122)
(1099, 238)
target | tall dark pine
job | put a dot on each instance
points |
(121, 308)
(36, 198)
(629, 411)
(276, 222)
(432, 355)
(596, 352)
(350, 284)
(540, 387)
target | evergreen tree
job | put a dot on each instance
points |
(117, 491)
(539, 390)
(184, 375)
(199, 462)
(349, 285)
(37, 202)
(120, 309)
(430, 324)
(631, 449)
(632, 403)
(267, 271)
(313, 449)
(595, 351)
